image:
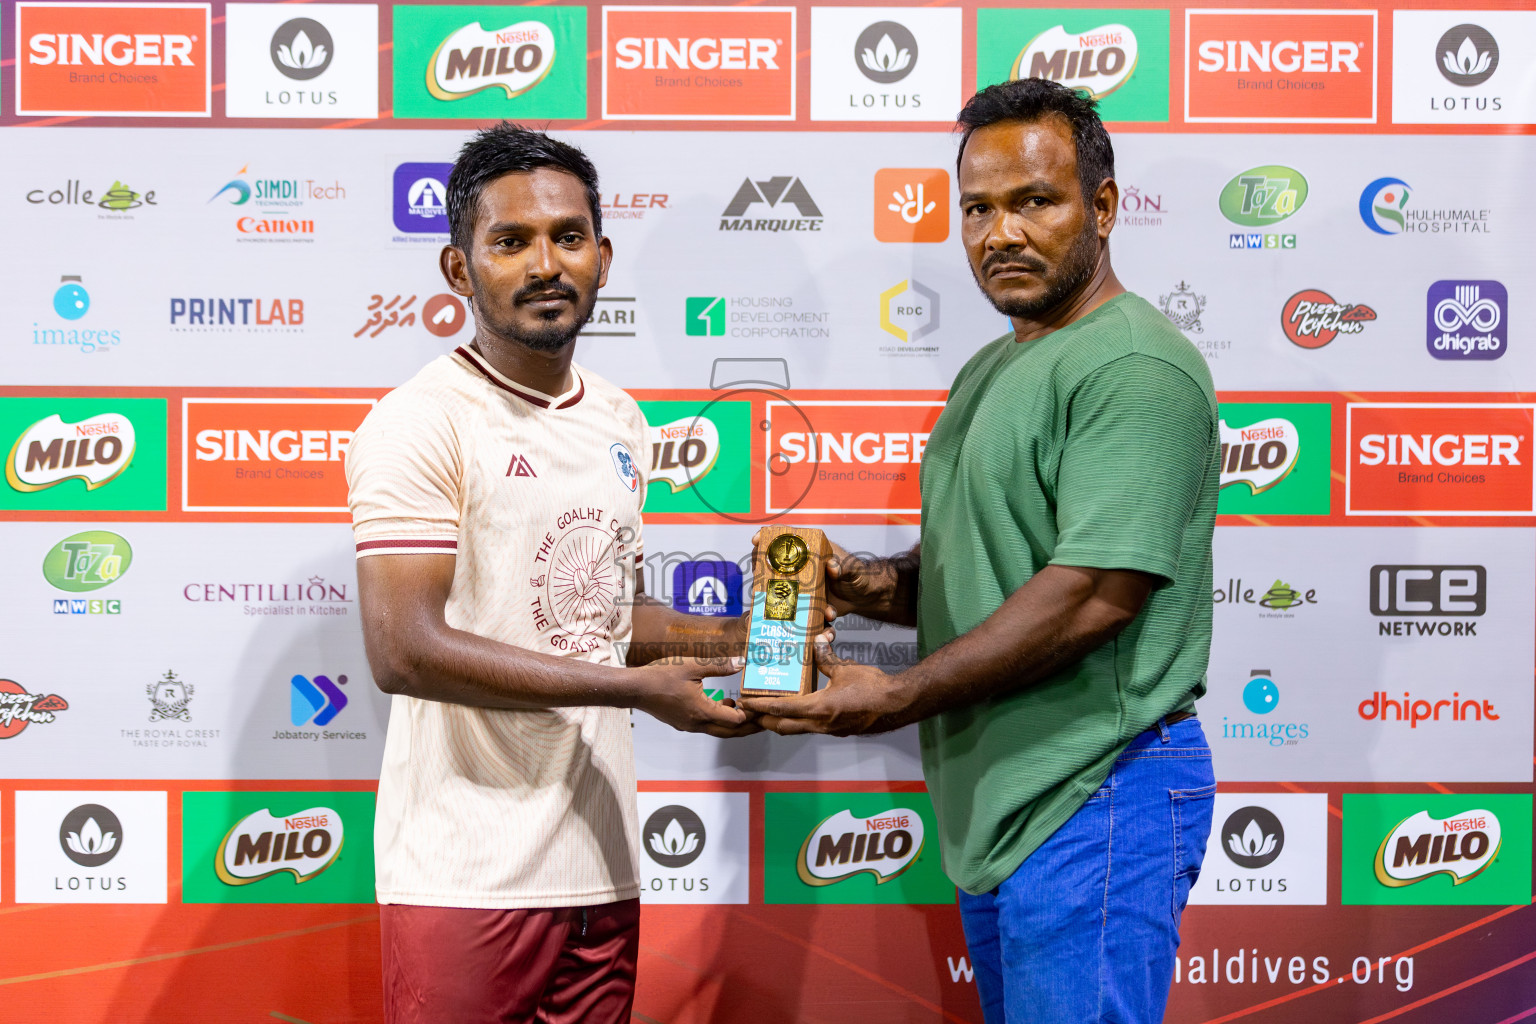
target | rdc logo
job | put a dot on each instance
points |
(1467, 319)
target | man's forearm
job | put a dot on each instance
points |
(661, 632)
(893, 588)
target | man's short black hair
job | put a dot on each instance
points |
(1035, 99)
(507, 148)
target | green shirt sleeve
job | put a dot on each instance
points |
(1135, 455)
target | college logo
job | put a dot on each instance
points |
(850, 848)
(1118, 57)
(847, 457)
(911, 204)
(707, 588)
(117, 200)
(110, 59)
(1278, 601)
(1311, 319)
(267, 455)
(699, 63)
(699, 452)
(486, 61)
(95, 450)
(168, 699)
(87, 561)
(1312, 66)
(1381, 205)
(1422, 458)
(674, 836)
(1468, 55)
(867, 63)
(1468, 320)
(20, 708)
(90, 835)
(789, 191)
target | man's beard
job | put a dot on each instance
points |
(1073, 272)
(549, 335)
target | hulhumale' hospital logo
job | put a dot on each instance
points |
(844, 845)
(1382, 203)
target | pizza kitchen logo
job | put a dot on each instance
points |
(844, 845)
(20, 708)
(1421, 846)
(95, 450)
(262, 845)
(1311, 318)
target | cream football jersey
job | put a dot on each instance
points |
(538, 498)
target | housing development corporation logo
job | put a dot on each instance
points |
(911, 204)
(1316, 66)
(113, 59)
(699, 63)
(1467, 320)
(884, 63)
(1262, 197)
(1452, 459)
(780, 194)
(1311, 318)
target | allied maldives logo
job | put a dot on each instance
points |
(110, 59)
(1314, 66)
(95, 450)
(699, 63)
(1439, 459)
(1468, 320)
(844, 845)
(421, 198)
(261, 845)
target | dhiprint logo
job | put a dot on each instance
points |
(1252, 837)
(1468, 319)
(302, 49)
(315, 700)
(1422, 846)
(885, 52)
(1381, 205)
(90, 835)
(673, 836)
(262, 844)
(1311, 319)
(1468, 55)
(845, 845)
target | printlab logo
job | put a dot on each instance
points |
(790, 191)
(674, 836)
(19, 708)
(1467, 55)
(1468, 320)
(885, 52)
(302, 49)
(1311, 318)
(421, 198)
(1183, 307)
(316, 700)
(1252, 837)
(91, 835)
(168, 699)
(911, 204)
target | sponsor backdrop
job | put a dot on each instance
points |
(223, 222)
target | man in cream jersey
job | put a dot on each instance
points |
(496, 504)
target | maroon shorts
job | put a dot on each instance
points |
(568, 965)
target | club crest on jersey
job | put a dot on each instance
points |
(624, 465)
(520, 466)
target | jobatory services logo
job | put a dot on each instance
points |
(1117, 56)
(1272, 66)
(1275, 458)
(1262, 197)
(707, 587)
(90, 847)
(296, 847)
(1467, 320)
(1311, 318)
(911, 204)
(1266, 848)
(854, 456)
(320, 62)
(700, 456)
(127, 60)
(19, 708)
(1461, 67)
(1435, 849)
(851, 848)
(84, 454)
(421, 200)
(490, 62)
(267, 455)
(314, 701)
(1261, 698)
(1427, 458)
(695, 846)
(884, 63)
(71, 303)
(699, 63)
(783, 195)
(909, 312)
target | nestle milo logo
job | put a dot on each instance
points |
(844, 845)
(1263, 195)
(87, 561)
(262, 844)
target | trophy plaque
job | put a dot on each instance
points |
(789, 594)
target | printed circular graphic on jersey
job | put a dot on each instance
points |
(302, 49)
(673, 836)
(584, 580)
(1252, 837)
(885, 52)
(90, 835)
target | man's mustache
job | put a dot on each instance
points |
(551, 290)
(997, 260)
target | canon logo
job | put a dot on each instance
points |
(1309, 56)
(1441, 450)
(660, 54)
(267, 445)
(140, 50)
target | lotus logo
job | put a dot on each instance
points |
(885, 52)
(262, 845)
(683, 451)
(90, 835)
(1263, 195)
(845, 845)
(302, 49)
(1467, 55)
(674, 836)
(1381, 205)
(473, 59)
(1461, 846)
(1252, 837)
(1259, 455)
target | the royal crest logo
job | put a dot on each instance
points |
(472, 59)
(168, 699)
(1461, 846)
(1183, 307)
(50, 451)
(19, 708)
(1259, 455)
(845, 845)
(1311, 318)
(262, 845)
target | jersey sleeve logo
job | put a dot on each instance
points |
(624, 465)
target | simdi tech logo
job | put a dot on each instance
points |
(1461, 67)
(884, 63)
(852, 848)
(83, 454)
(1274, 66)
(490, 62)
(1117, 56)
(1437, 850)
(1275, 458)
(315, 62)
(142, 59)
(700, 455)
(1428, 458)
(293, 847)
(699, 63)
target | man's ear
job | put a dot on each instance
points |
(605, 254)
(1106, 206)
(455, 267)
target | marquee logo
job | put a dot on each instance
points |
(1260, 455)
(87, 561)
(113, 59)
(683, 451)
(1420, 847)
(1422, 458)
(1316, 66)
(96, 450)
(514, 59)
(786, 190)
(1097, 61)
(699, 63)
(262, 844)
(1311, 319)
(845, 845)
(1468, 320)
(20, 708)
(853, 456)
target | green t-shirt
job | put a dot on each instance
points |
(1093, 446)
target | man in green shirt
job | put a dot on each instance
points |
(1061, 592)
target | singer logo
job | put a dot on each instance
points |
(112, 59)
(1427, 459)
(272, 455)
(1280, 66)
(862, 456)
(699, 63)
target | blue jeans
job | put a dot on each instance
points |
(1086, 929)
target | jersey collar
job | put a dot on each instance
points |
(477, 362)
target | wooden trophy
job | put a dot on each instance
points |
(789, 595)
